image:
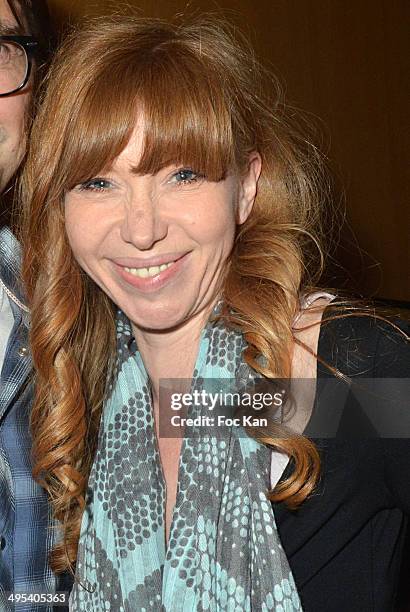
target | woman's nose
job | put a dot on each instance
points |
(143, 225)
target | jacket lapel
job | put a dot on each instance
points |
(17, 362)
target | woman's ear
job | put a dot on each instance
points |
(248, 187)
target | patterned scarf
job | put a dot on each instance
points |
(224, 551)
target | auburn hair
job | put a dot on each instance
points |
(206, 102)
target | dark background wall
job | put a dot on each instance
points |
(346, 63)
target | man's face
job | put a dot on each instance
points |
(12, 113)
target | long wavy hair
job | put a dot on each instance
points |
(208, 103)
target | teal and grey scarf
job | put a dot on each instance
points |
(224, 551)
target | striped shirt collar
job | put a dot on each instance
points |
(10, 261)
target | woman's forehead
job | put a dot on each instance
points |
(134, 149)
(144, 135)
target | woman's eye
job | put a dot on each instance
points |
(95, 184)
(185, 176)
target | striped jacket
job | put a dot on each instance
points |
(26, 526)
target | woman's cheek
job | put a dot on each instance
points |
(80, 224)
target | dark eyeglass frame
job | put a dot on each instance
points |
(30, 46)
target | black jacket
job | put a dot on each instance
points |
(347, 543)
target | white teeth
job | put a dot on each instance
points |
(148, 272)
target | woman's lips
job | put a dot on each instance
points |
(151, 282)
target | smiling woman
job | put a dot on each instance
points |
(158, 244)
(170, 213)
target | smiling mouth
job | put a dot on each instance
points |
(148, 272)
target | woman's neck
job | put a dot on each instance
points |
(171, 354)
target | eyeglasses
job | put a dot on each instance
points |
(16, 54)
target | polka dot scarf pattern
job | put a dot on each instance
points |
(224, 552)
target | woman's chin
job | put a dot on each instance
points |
(157, 320)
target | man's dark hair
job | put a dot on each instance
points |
(33, 18)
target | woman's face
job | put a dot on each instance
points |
(157, 244)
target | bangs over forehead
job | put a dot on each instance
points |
(178, 90)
